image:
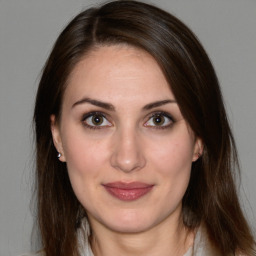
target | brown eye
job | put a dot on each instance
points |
(158, 120)
(97, 119)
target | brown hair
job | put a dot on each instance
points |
(211, 196)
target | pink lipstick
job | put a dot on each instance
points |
(128, 191)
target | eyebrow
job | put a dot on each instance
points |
(98, 103)
(110, 107)
(158, 104)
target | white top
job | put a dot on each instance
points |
(201, 247)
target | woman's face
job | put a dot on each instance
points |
(126, 144)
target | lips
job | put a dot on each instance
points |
(128, 191)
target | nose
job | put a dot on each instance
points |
(127, 155)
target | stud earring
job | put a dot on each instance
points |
(59, 155)
(198, 154)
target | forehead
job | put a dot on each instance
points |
(118, 71)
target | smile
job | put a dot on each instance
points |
(128, 191)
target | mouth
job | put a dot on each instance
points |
(128, 191)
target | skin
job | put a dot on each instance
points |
(127, 146)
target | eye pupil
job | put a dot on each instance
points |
(97, 120)
(158, 120)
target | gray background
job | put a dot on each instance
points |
(28, 29)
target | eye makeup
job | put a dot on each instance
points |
(95, 120)
(160, 120)
(99, 120)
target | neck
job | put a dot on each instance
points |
(163, 239)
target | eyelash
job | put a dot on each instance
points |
(91, 114)
(100, 114)
(161, 114)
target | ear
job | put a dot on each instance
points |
(198, 149)
(57, 138)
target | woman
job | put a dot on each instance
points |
(134, 152)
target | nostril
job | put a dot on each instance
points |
(127, 160)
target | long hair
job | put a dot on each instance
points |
(211, 197)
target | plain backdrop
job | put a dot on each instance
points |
(28, 29)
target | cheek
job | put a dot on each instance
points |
(84, 158)
(174, 153)
(172, 160)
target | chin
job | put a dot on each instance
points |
(129, 222)
(134, 227)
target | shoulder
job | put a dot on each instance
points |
(203, 245)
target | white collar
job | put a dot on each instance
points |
(201, 247)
